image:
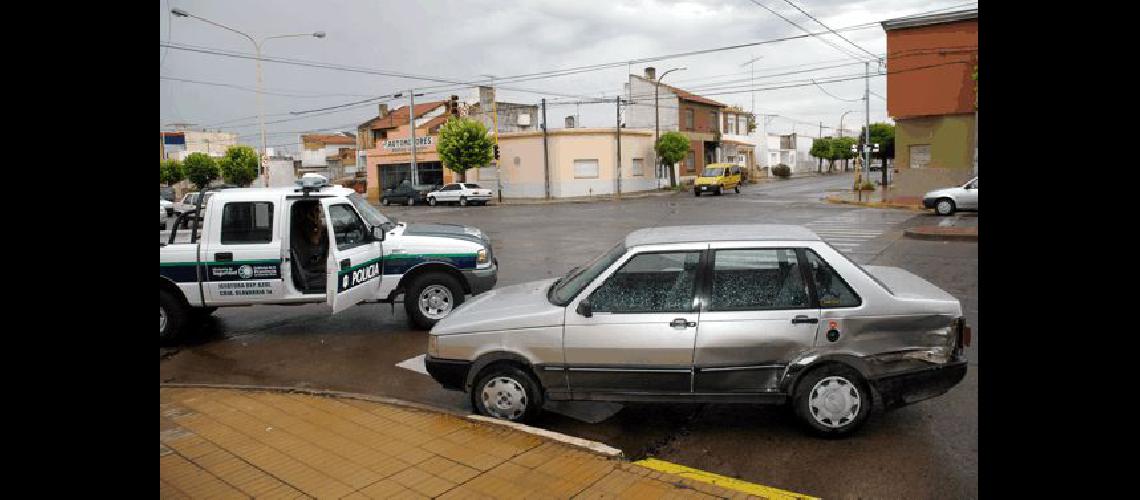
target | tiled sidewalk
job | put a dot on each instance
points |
(246, 443)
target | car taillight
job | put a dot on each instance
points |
(966, 336)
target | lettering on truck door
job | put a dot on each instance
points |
(354, 264)
(242, 257)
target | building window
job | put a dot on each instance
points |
(585, 169)
(919, 155)
(691, 162)
(712, 122)
(731, 127)
(638, 166)
(688, 118)
(742, 125)
(247, 222)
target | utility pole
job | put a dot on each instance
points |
(412, 127)
(866, 118)
(617, 100)
(495, 119)
(545, 150)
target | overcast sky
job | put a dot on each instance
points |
(465, 39)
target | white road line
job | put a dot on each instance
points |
(415, 364)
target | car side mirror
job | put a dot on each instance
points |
(377, 233)
(584, 308)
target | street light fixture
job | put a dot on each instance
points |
(657, 117)
(841, 117)
(257, 48)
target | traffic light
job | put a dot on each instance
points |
(496, 151)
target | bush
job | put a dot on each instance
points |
(865, 186)
(782, 170)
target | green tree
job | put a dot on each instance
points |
(821, 149)
(882, 134)
(200, 169)
(464, 144)
(170, 172)
(841, 150)
(671, 148)
(239, 166)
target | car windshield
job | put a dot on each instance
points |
(370, 213)
(564, 290)
(712, 172)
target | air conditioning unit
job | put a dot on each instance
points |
(524, 119)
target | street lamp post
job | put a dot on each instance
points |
(657, 119)
(257, 49)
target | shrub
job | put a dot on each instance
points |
(781, 170)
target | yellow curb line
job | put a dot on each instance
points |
(719, 480)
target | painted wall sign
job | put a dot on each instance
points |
(399, 145)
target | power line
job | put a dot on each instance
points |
(829, 28)
(249, 89)
(805, 30)
(833, 95)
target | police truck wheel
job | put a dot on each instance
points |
(384, 201)
(505, 392)
(172, 316)
(430, 298)
(833, 400)
(463, 201)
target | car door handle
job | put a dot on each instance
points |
(345, 264)
(682, 323)
(804, 319)
(224, 257)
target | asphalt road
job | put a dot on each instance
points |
(927, 450)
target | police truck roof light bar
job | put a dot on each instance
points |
(311, 182)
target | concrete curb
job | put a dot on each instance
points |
(932, 233)
(875, 204)
(595, 447)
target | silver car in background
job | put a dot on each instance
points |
(948, 200)
(708, 314)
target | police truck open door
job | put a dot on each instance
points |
(354, 256)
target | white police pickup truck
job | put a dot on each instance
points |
(315, 243)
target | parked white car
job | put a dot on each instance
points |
(462, 193)
(162, 214)
(167, 206)
(948, 200)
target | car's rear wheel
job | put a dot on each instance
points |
(833, 400)
(431, 297)
(411, 201)
(505, 392)
(944, 206)
(384, 201)
(172, 315)
(463, 201)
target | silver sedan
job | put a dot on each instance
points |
(708, 314)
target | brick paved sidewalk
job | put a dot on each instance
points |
(241, 443)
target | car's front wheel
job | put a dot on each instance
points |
(718, 190)
(431, 201)
(833, 400)
(697, 192)
(411, 201)
(944, 206)
(505, 392)
(431, 297)
(463, 201)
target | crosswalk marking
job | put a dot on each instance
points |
(851, 230)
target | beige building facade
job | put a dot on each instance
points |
(582, 162)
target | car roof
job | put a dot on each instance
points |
(724, 232)
(286, 191)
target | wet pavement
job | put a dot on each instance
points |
(926, 450)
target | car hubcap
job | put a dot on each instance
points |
(432, 201)
(944, 207)
(161, 319)
(463, 201)
(435, 301)
(504, 397)
(834, 402)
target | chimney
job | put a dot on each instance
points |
(650, 73)
(570, 121)
(383, 110)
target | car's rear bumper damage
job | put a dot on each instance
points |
(901, 389)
